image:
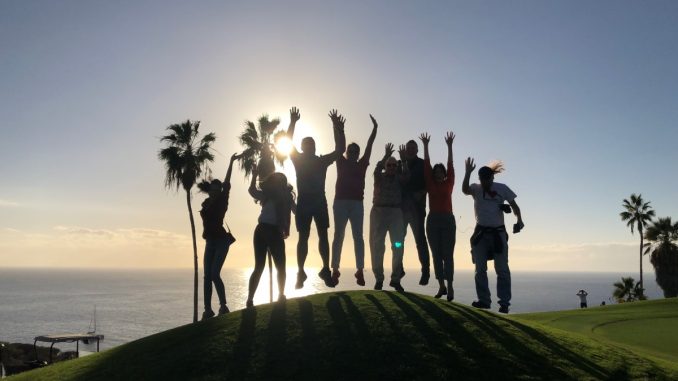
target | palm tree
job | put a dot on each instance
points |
(637, 213)
(624, 291)
(186, 156)
(663, 238)
(258, 148)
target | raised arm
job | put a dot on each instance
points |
(405, 174)
(339, 137)
(470, 166)
(449, 139)
(256, 193)
(234, 157)
(370, 140)
(295, 115)
(388, 151)
(425, 139)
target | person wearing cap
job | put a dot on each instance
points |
(490, 239)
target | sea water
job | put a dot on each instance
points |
(131, 304)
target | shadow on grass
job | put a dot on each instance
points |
(243, 347)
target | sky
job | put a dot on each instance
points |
(579, 99)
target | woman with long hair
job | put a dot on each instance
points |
(441, 228)
(277, 200)
(216, 239)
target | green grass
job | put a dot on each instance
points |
(649, 328)
(364, 335)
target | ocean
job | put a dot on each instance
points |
(134, 304)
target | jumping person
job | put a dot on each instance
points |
(441, 227)
(387, 216)
(490, 239)
(414, 207)
(582, 294)
(311, 171)
(348, 204)
(277, 202)
(216, 243)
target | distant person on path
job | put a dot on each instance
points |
(414, 207)
(348, 204)
(311, 171)
(387, 216)
(441, 227)
(216, 242)
(277, 202)
(490, 239)
(582, 294)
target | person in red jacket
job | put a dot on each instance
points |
(441, 228)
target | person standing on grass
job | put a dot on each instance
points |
(276, 197)
(387, 216)
(348, 204)
(414, 207)
(216, 243)
(490, 239)
(582, 294)
(311, 171)
(441, 227)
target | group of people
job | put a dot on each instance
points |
(401, 187)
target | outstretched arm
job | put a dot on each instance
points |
(425, 139)
(388, 151)
(516, 211)
(470, 166)
(449, 139)
(235, 157)
(253, 191)
(295, 115)
(405, 174)
(339, 137)
(370, 140)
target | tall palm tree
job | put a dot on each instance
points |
(259, 149)
(637, 213)
(662, 238)
(186, 156)
(624, 290)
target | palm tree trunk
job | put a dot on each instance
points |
(195, 258)
(640, 230)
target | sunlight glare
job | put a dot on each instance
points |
(284, 146)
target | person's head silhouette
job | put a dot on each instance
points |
(439, 173)
(353, 152)
(391, 166)
(308, 145)
(411, 149)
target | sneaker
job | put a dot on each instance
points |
(223, 310)
(207, 314)
(425, 275)
(450, 294)
(326, 276)
(249, 303)
(442, 291)
(359, 278)
(301, 277)
(397, 286)
(282, 298)
(335, 277)
(478, 304)
(379, 285)
(503, 309)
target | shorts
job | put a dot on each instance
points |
(312, 207)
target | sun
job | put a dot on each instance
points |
(283, 146)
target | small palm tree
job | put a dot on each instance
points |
(186, 156)
(624, 290)
(663, 246)
(259, 150)
(637, 213)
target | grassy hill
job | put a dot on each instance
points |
(369, 335)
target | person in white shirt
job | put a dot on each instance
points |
(490, 239)
(582, 298)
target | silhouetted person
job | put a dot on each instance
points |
(414, 207)
(277, 202)
(387, 216)
(311, 170)
(348, 204)
(490, 239)
(216, 242)
(582, 294)
(441, 227)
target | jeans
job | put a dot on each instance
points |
(480, 252)
(414, 214)
(383, 220)
(441, 230)
(268, 238)
(344, 211)
(213, 260)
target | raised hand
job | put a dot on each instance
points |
(236, 156)
(295, 115)
(388, 150)
(402, 151)
(374, 121)
(449, 138)
(470, 165)
(425, 138)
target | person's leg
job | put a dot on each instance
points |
(322, 223)
(479, 254)
(341, 216)
(501, 267)
(208, 259)
(356, 216)
(449, 241)
(377, 237)
(435, 237)
(419, 233)
(260, 249)
(217, 264)
(396, 235)
(303, 217)
(277, 248)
